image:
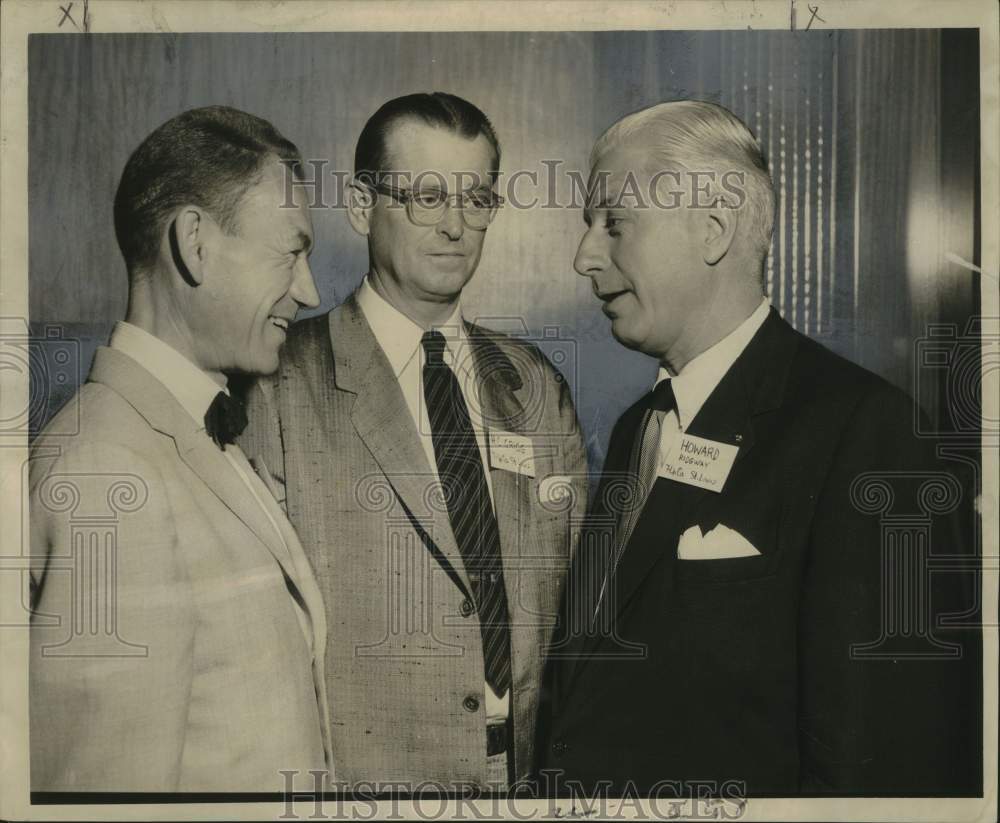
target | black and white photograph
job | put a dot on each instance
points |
(436, 410)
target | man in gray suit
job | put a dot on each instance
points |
(433, 469)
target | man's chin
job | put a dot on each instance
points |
(620, 332)
(261, 366)
(448, 287)
(269, 367)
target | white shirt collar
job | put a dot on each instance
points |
(193, 388)
(699, 378)
(399, 336)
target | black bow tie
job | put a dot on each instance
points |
(225, 419)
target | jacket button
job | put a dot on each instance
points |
(559, 748)
(466, 608)
(471, 704)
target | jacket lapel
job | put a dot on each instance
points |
(304, 578)
(754, 385)
(312, 598)
(498, 382)
(383, 422)
(163, 413)
(206, 460)
(600, 531)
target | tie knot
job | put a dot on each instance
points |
(662, 397)
(434, 345)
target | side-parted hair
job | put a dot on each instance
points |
(437, 109)
(700, 136)
(207, 157)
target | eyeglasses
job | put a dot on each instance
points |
(426, 207)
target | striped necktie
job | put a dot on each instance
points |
(460, 469)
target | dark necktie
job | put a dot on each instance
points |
(460, 469)
(642, 470)
(225, 419)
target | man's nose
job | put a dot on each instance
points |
(451, 224)
(303, 290)
(591, 257)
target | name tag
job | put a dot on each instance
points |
(512, 453)
(696, 461)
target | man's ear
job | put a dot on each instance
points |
(187, 234)
(720, 224)
(360, 200)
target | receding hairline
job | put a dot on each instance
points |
(409, 121)
(679, 116)
(697, 136)
(650, 160)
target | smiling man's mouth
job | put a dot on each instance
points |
(280, 322)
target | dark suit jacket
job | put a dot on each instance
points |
(742, 669)
(404, 664)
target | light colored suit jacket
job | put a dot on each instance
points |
(166, 654)
(404, 652)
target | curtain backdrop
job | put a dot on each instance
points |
(872, 138)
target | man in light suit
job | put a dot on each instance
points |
(739, 625)
(178, 633)
(433, 469)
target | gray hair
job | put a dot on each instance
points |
(700, 136)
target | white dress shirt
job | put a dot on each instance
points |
(699, 378)
(195, 390)
(400, 338)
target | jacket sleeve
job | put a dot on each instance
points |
(112, 627)
(889, 699)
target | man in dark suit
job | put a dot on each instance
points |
(432, 468)
(737, 612)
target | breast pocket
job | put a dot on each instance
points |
(700, 573)
(719, 572)
(726, 592)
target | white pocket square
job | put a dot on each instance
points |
(720, 543)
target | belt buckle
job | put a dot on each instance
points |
(496, 738)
